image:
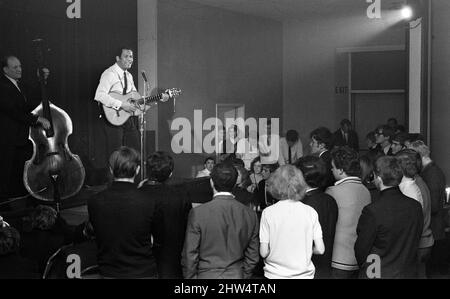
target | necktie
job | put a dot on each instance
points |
(290, 154)
(125, 85)
(235, 147)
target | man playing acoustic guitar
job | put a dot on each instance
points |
(117, 80)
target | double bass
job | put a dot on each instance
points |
(53, 173)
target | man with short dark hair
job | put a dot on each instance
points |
(291, 148)
(398, 142)
(117, 79)
(389, 228)
(434, 178)
(209, 165)
(123, 220)
(171, 212)
(314, 172)
(222, 235)
(384, 135)
(321, 144)
(351, 197)
(17, 101)
(345, 135)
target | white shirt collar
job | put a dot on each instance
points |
(118, 70)
(350, 178)
(320, 155)
(223, 194)
(407, 180)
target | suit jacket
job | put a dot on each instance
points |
(123, 220)
(262, 197)
(15, 112)
(381, 151)
(330, 180)
(222, 240)
(172, 209)
(327, 209)
(390, 228)
(435, 180)
(352, 139)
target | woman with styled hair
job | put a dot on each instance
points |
(255, 174)
(290, 231)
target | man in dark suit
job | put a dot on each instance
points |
(123, 220)
(16, 104)
(172, 209)
(390, 228)
(222, 235)
(321, 144)
(346, 136)
(434, 178)
(313, 169)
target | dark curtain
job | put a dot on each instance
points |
(79, 50)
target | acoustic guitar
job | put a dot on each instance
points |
(119, 117)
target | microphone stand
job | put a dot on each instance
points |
(142, 131)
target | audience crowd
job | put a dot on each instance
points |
(338, 212)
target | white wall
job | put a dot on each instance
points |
(309, 65)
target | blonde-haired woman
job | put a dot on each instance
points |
(290, 231)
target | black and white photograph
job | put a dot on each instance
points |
(221, 146)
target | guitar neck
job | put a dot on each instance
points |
(151, 99)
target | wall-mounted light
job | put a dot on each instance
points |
(407, 12)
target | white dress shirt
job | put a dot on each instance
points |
(296, 151)
(203, 173)
(269, 153)
(112, 80)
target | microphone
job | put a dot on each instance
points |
(144, 76)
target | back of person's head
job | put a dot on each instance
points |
(287, 182)
(43, 217)
(371, 136)
(367, 167)
(292, 136)
(401, 138)
(414, 137)
(323, 136)
(401, 128)
(224, 177)
(243, 180)
(392, 122)
(386, 131)
(389, 170)
(314, 170)
(160, 166)
(124, 163)
(408, 160)
(420, 147)
(347, 159)
(9, 240)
